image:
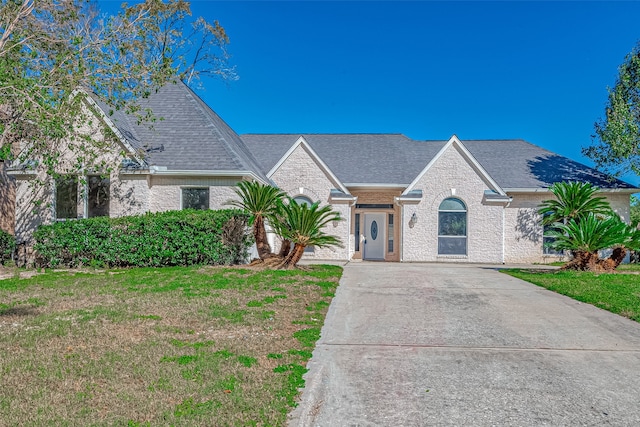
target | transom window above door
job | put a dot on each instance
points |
(452, 227)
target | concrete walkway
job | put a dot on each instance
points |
(434, 344)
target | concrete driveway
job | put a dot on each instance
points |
(434, 344)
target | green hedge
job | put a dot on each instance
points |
(7, 246)
(185, 237)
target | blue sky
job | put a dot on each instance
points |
(532, 70)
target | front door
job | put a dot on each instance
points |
(374, 228)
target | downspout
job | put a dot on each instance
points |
(348, 234)
(504, 209)
(504, 229)
(402, 231)
(401, 240)
(351, 205)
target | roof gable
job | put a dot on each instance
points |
(124, 138)
(302, 143)
(355, 159)
(186, 135)
(454, 142)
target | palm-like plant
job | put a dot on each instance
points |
(305, 227)
(584, 224)
(281, 227)
(260, 202)
(573, 200)
(590, 233)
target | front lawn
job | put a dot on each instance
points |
(618, 292)
(171, 346)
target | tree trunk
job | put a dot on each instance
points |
(260, 236)
(584, 261)
(285, 248)
(293, 258)
(590, 261)
(616, 258)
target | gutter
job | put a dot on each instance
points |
(364, 186)
(163, 171)
(546, 190)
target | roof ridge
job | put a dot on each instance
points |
(325, 133)
(497, 140)
(247, 159)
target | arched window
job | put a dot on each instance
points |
(303, 200)
(452, 227)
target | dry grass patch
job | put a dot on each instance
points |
(172, 346)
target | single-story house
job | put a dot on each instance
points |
(401, 199)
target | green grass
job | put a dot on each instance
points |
(629, 267)
(154, 347)
(618, 293)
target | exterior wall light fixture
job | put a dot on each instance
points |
(413, 220)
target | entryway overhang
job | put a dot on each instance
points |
(413, 197)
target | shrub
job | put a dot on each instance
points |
(7, 246)
(186, 237)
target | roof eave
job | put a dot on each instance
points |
(407, 200)
(547, 190)
(373, 186)
(25, 173)
(156, 170)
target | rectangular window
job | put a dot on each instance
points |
(547, 241)
(356, 232)
(374, 206)
(66, 197)
(98, 194)
(452, 233)
(452, 245)
(390, 234)
(195, 198)
(452, 224)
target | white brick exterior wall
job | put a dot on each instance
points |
(33, 207)
(301, 172)
(484, 222)
(129, 195)
(523, 226)
(166, 192)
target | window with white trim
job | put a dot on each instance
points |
(74, 199)
(452, 227)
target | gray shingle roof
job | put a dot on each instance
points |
(353, 158)
(395, 159)
(191, 136)
(520, 164)
(187, 134)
